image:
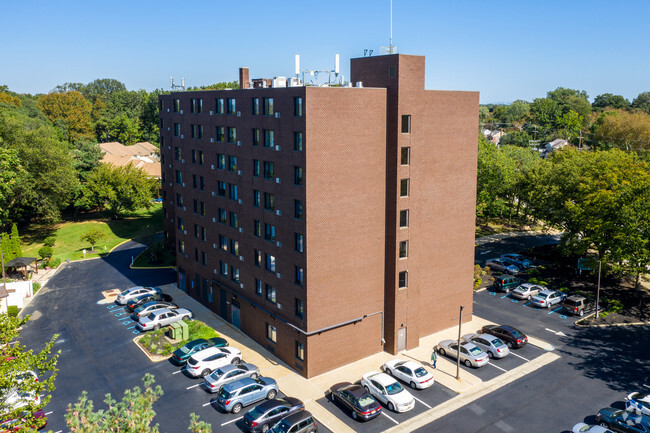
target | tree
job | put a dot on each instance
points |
(16, 360)
(15, 241)
(607, 100)
(12, 174)
(133, 414)
(45, 252)
(516, 138)
(628, 131)
(570, 121)
(544, 112)
(10, 244)
(93, 237)
(102, 88)
(642, 102)
(494, 176)
(517, 113)
(118, 189)
(87, 155)
(72, 110)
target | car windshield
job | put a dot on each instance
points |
(366, 400)
(515, 333)
(184, 349)
(496, 342)
(475, 351)
(224, 394)
(419, 372)
(151, 316)
(282, 427)
(393, 388)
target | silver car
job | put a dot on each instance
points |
(133, 292)
(526, 291)
(150, 307)
(470, 354)
(502, 265)
(161, 318)
(227, 374)
(489, 344)
(548, 298)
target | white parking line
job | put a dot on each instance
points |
(384, 413)
(417, 399)
(519, 356)
(179, 371)
(232, 420)
(193, 386)
(58, 431)
(47, 413)
(502, 369)
(207, 404)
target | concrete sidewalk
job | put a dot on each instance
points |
(310, 390)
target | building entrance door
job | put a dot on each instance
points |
(223, 304)
(401, 339)
(236, 320)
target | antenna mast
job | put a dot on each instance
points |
(390, 49)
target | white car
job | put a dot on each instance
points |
(586, 428)
(547, 298)
(133, 292)
(161, 318)
(206, 361)
(470, 354)
(526, 291)
(489, 344)
(639, 402)
(409, 372)
(388, 391)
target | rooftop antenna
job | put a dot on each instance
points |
(176, 86)
(391, 49)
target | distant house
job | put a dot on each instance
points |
(556, 145)
(493, 136)
(143, 155)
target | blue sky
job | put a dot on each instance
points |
(506, 50)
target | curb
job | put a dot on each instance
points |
(152, 358)
(607, 325)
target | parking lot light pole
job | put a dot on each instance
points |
(598, 290)
(460, 321)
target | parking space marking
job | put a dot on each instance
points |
(208, 403)
(553, 311)
(231, 421)
(193, 386)
(519, 356)
(527, 303)
(179, 371)
(384, 413)
(417, 399)
(58, 431)
(502, 369)
(47, 413)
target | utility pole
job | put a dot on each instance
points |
(598, 290)
(460, 322)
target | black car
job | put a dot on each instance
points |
(513, 337)
(623, 421)
(301, 422)
(138, 301)
(356, 399)
(264, 416)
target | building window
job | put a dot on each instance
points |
(257, 198)
(219, 106)
(299, 242)
(269, 201)
(300, 308)
(192, 105)
(221, 134)
(406, 156)
(258, 258)
(404, 218)
(223, 266)
(202, 213)
(392, 71)
(232, 163)
(196, 231)
(223, 242)
(195, 182)
(300, 351)
(200, 105)
(256, 168)
(199, 132)
(257, 228)
(204, 258)
(178, 154)
(234, 275)
(232, 135)
(268, 138)
(297, 204)
(403, 279)
(406, 123)
(221, 188)
(179, 224)
(300, 275)
(201, 183)
(297, 106)
(270, 330)
(204, 234)
(177, 105)
(177, 129)
(179, 177)
(234, 247)
(270, 293)
(297, 141)
(196, 206)
(403, 249)
(269, 232)
(181, 247)
(256, 137)
(269, 262)
(256, 106)
(269, 170)
(221, 161)
(297, 175)
(179, 200)
(404, 187)
(193, 132)
(232, 192)
(232, 106)
(234, 220)
(222, 216)
(268, 106)
(258, 287)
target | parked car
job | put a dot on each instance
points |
(470, 354)
(208, 360)
(265, 415)
(301, 422)
(586, 428)
(234, 396)
(356, 399)
(623, 421)
(148, 308)
(388, 391)
(160, 318)
(638, 401)
(409, 372)
(489, 344)
(229, 373)
(183, 353)
(577, 305)
(502, 265)
(505, 283)
(136, 302)
(547, 298)
(513, 337)
(127, 294)
(522, 262)
(526, 291)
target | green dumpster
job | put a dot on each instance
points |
(174, 331)
(185, 330)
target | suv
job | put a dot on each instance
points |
(301, 422)
(505, 283)
(243, 392)
(576, 305)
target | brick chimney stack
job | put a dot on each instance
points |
(244, 82)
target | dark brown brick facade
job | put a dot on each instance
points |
(344, 179)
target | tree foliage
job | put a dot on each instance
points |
(93, 236)
(71, 110)
(642, 102)
(607, 100)
(625, 130)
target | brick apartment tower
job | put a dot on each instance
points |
(320, 219)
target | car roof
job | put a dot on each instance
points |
(297, 417)
(270, 404)
(547, 291)
(207, 352)
(356, 390)
(238, 384)
(382, 378)
(195, 343)
(159, 312)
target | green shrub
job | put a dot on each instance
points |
(36, 287)
(55, 263)
(49, 241)
(543, 283)
(46, 252)
(13, 310)
(564, 289)
(614, 306)
(533, 280)
(533, 271)
(168, 349)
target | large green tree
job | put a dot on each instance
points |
(642, 102)
(607, 100)
(71, 110)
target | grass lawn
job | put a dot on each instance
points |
(142, 223)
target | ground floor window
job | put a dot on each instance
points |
(271, 333)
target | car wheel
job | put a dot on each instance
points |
(530, 297)
(507, 290)
(441, 351)
(354, 415)
(509, 344)
(236, 408)
(490, 354)
(205, 372)
(468, 363)
(548, 305)
(603, 424)
(366, 388)
(271, 395)
(265, 428)
(391, 406)
(332, 398)
(389, 371)
(413, 385)
(236, 361)
(254, 376)
(581, 313)
(156, 327)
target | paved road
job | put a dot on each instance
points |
(513, 242)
